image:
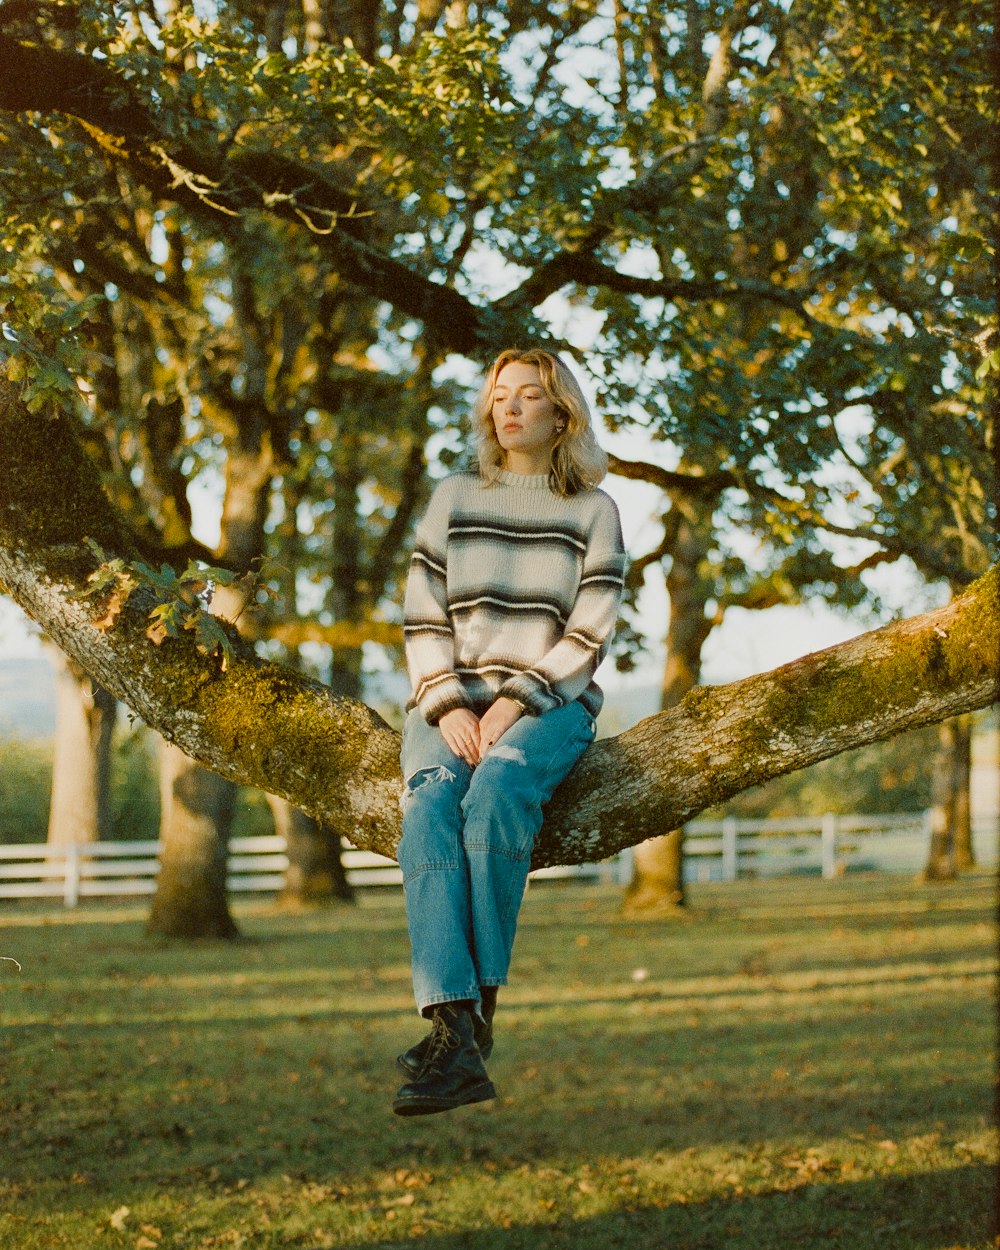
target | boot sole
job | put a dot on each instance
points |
(482, 1092)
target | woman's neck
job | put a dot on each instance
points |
(526, 464)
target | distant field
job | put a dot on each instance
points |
(798, 1064)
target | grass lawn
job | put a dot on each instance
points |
(796, 1064)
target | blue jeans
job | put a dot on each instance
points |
(466, 846)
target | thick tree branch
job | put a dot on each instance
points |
(269, 727)
(699, 485)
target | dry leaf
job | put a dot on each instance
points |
(112, 609)
(156, 633)
(118, 1218)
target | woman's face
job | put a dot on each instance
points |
(524, 417)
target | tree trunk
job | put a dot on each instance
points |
(315, 874)
(950, 848)
(80, 810)
(196, 814)
(657, 884)
(941, 854)
(965, 857)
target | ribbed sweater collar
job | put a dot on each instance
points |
(526, 481)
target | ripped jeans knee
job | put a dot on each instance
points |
(424, 777)
(432, 823)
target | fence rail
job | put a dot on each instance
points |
(713, 851)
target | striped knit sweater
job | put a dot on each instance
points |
(513, 590)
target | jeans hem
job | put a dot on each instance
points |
(471, 996)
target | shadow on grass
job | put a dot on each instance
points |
(295, 1104)
(925, 1211)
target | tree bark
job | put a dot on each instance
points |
(263, 725)
(80, 809)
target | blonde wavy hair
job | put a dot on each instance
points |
(577, 462)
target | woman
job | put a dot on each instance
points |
(510, 604)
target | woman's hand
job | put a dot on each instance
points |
(460, 729)
(497, 720)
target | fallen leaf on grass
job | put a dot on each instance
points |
(413, 1180)
(313, 1192)
(117, 1218)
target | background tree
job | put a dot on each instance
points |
(950, 848)
(80, 807)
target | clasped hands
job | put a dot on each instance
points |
(469, 736)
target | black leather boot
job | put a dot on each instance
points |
(452, 1072)
(410, 1060)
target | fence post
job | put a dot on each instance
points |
(71, 874)
(622, 867)
(828, 845)
(730, 848)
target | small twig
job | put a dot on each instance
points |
(198, 183)
(332, 216)
(6, 959)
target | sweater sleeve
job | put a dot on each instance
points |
(566, 670)
(427, 630)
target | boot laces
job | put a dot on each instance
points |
(442, 1040)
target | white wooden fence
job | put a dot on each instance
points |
(714, 851)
